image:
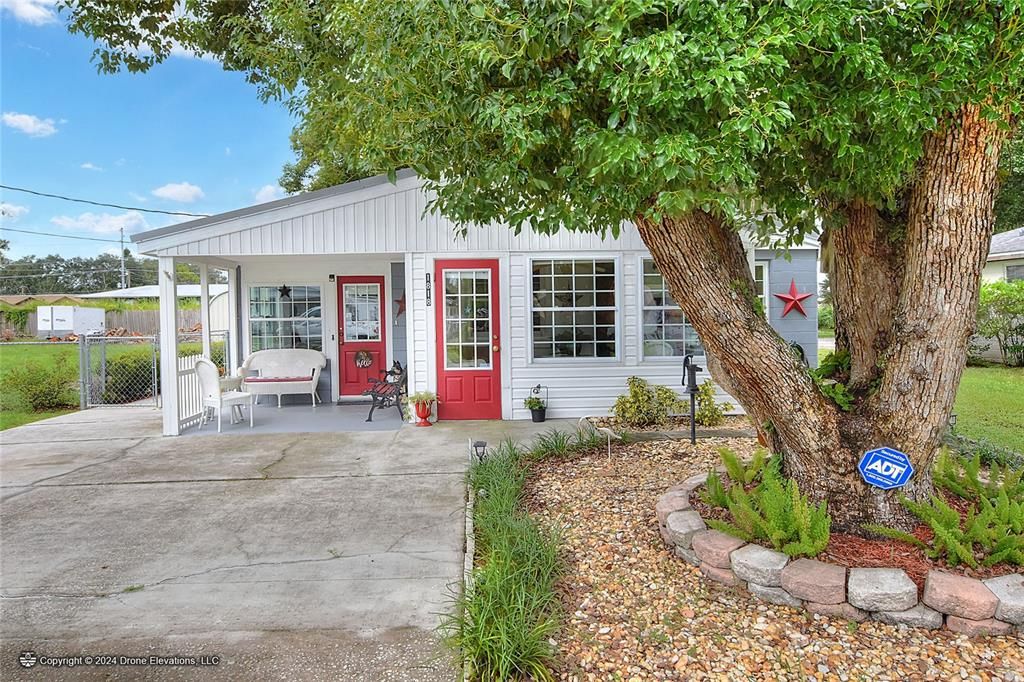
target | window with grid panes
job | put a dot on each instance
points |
(573, 308)
(666, 333)
(761, 284)
(467, 319)
(291, 321)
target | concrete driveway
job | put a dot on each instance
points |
(280, 556)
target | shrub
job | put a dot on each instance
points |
(1001, 317)
(504, 620)
(43, 386)
(709, 411)
(772, 511)
(645, 405)
(129, 376)
(989, 452)
(826, 316)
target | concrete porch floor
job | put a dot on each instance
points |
(289, 555)
(303, 418)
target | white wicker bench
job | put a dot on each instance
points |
(282, 371)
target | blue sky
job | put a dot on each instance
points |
(187, 136)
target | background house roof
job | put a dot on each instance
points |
(153, 291)
(1007, 245)
(18, 299)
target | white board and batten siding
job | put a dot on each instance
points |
(329, 232)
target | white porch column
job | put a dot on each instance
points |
(169, 343)
(204, 307)
(234, 340)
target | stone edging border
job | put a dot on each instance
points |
(961, 604)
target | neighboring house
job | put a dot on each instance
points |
(219, 310)
(362, 272)
(1005, 257)
(42, 299)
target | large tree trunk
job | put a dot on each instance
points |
(907, 312)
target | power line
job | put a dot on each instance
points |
(71, 273)
(100, 203)
(64, 236)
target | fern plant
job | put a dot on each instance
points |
(773, 511)
(993, 531)
(963, 478)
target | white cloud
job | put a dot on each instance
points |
(120, 162)
(12, 211)
(227, 151)
(29, 124)
(37, 12)
(138, 197)
(89, 165)
(267, 193)
(103, 223)
(184, 192)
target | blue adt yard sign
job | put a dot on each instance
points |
(885, 468)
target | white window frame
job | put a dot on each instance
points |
(644, 357)
(765, 288)
(249, 319)
(617, 260)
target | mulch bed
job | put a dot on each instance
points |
(853, 551)
(633, 611)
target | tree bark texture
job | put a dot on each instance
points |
(906, 308)
(865, 268)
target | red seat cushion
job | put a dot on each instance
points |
(271, 380)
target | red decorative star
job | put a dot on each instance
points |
(794, 300)
(401, 307)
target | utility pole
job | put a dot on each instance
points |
(123, 272)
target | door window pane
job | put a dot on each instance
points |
(362, 312)
(467, 319)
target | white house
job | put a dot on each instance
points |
(479, 319)
(1005, 257)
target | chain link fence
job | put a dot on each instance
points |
(119, 370)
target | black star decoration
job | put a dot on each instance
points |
(284, 291)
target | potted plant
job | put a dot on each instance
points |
(422, 402)
(536, 407)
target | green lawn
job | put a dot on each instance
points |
(990, 405)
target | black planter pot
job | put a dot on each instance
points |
(538, 414)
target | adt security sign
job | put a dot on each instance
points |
(885, 468)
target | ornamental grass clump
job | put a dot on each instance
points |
(989, 532)
(766, 507)
(503, 622)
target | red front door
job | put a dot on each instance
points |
(468, 339)
(361, 349)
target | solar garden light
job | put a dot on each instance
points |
(952, 422)
(690, 369)
(480, 450)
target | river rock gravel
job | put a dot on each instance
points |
(633, 611)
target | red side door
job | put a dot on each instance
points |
(361, 333)
(468, 339)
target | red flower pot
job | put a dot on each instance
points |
(423, 412)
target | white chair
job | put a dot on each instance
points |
(214, 398)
